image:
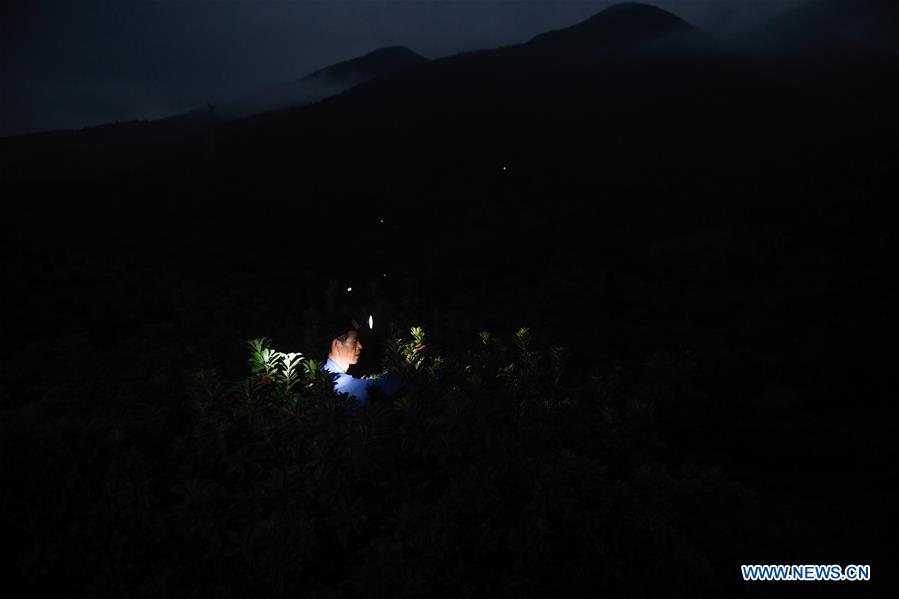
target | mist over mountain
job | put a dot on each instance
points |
(68, 67)
(630, 68)
(617, 85)
(872, 23)
(138, 142)
(321, 83)
(629, 26)
(369, 66)
(830, 27)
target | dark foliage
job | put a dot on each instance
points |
(711, 237)
(490, 473)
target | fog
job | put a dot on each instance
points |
(71, 65)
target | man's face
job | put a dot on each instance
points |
(349, 350)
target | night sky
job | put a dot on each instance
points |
(75, 64)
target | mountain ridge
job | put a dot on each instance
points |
(627, 26)
(521, 96)
(323, 82)
(371, 64)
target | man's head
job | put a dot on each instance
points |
(346, 347)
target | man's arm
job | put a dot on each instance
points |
(388, 383)
(350, 385)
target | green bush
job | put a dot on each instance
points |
(491, 472)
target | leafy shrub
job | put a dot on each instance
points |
(491, 472)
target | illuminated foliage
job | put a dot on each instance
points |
(488, 471)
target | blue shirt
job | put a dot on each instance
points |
(387, 384)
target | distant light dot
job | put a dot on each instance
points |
(382, 220)
(504, 168)
(385, 274)
(349, 288)
(371, 322)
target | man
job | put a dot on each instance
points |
(345, 350)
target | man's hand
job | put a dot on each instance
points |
(418, 349)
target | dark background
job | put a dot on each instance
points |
(67, 66)
(638, 190)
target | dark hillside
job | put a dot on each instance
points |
(711, 236)
(626, 27)
(373, 64)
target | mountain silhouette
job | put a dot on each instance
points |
(322, 83)
(612, 91)
(108, 147)
(624, 27)
(609, 77)
(371, 65)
